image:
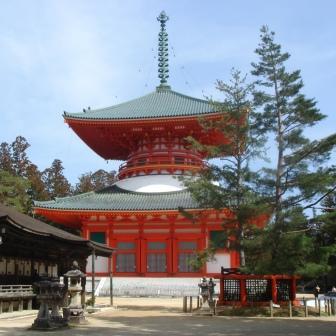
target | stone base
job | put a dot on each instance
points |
(205, 310)
(78, 320)
(48, 324)
(74, 316)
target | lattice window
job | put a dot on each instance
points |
(258, 290)
(283, 289)
(156, 262)
(231, 290)
(185, 262)
(125, 262)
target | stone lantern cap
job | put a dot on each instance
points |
(75, 272)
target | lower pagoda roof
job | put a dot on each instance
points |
(115, 198)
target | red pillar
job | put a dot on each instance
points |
(292, 294)
(274, 290)
(243, 296)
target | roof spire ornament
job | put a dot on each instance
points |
(163, 51)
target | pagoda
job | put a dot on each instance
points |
(140, 215)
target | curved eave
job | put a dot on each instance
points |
(140, 120)
(115, 139)
(75, 217)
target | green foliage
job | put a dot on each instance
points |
(230, 185)
(56, 183)
(95, 181)
(299, 178)
(13, 191)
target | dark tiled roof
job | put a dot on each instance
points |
(115, 198)
(39, 228)
(160, 103)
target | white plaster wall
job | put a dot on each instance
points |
(101, 265)
(151, 183)
(221, 260)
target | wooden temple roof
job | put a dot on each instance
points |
(115, 198)
(39, 230)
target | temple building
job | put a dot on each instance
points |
(140, 214)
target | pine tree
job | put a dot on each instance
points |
(13, 191)
(233, 189)
(299, 176)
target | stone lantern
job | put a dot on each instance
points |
(51, 296)
(74, 281)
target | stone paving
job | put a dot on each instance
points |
(155, 316)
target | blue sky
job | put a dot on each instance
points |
(67, 55)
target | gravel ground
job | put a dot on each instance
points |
(158, 316)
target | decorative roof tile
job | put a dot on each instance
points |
(161, 103)
(116, 199)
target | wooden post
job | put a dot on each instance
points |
(305, 307)
(190, 303)
(93, 277)
(0, 307)
(10, 307)
(221, 291)
(111, 280)
(271, 308)
(198, 302)
(20, 305)
(184, 307)
(319, 307)
(30, 304)
(290, 308)
(328, 307)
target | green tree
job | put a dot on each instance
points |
(95, 181)
(20, 159)
(37, 190)
(300, 175)
(56, 183)
(230, 184)
(13, 191)
(6, 157)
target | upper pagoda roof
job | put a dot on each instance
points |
(161, 103)
(115, 198)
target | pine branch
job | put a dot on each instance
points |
(321, 198)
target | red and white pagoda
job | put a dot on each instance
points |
(139, 215)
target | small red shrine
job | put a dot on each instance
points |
(139, 215)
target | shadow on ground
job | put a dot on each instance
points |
(130, 323)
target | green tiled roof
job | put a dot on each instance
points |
(114, 198)
(161, 103)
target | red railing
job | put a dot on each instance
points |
(247, 289)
